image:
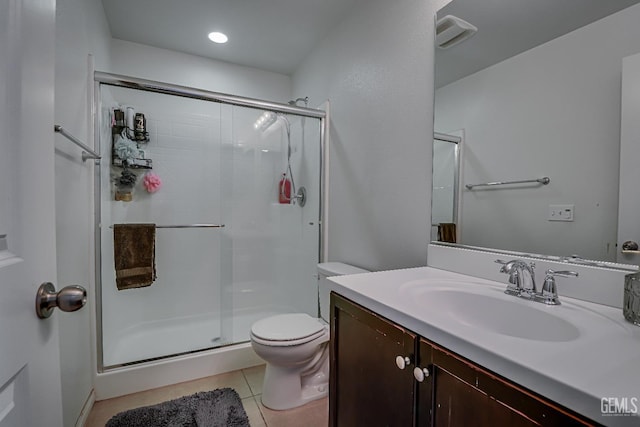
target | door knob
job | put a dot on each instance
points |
(69, 298)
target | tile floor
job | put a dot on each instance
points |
(248, 384)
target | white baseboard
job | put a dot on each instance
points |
(86, 409)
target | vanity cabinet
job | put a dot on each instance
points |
(369, 388)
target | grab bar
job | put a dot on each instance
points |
(544, 181)
(188, 226)
(88, 153)
(192, 226)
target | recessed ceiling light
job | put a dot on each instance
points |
(217, 37)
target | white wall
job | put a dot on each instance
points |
(551, 111)
(376, 69)
(81, 29)
(147, 62)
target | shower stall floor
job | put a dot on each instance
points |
(152, 340)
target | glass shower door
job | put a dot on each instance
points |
(273, 240)
(180, 311)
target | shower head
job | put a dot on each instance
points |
(295, 101)
(265, 121)
(269, 118)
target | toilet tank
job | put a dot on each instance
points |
(328, 269)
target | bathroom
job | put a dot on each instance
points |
(379, 164)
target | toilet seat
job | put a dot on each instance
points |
(287, 330)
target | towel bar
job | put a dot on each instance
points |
(188, 226)
(544, 181)
(88, 153)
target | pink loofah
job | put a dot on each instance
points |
(152, 182)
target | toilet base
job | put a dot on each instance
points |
(285, 389)
(296, 373)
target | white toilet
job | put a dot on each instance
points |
(295, 348)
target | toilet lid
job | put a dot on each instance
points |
(287, 327)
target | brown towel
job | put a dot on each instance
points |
(447, 232)
(134, 250)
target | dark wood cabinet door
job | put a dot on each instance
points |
(366, 387)
(457, 403)
(466, 394)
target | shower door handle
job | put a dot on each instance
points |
(69, 298)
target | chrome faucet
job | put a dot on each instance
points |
(520, 284)
(520, 287)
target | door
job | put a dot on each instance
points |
(629, 202)
(29, 353)
(467, 394)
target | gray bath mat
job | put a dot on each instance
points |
(217, 408)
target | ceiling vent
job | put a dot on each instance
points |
(452, 30)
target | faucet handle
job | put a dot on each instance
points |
(507, 266)
(563, 273)
(549, 293)
(515, 281)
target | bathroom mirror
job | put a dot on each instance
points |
(536, 93)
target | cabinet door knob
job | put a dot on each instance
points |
(402, 362)
(420, 374)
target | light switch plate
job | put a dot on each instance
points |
(560, 213)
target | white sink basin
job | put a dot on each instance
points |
(491, 310)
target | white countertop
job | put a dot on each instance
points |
(601, 361)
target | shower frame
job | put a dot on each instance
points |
(453, 139)
(118, 80)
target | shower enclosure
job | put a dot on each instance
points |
(445, 197)
(208, 178)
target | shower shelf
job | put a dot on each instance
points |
(137, 163)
